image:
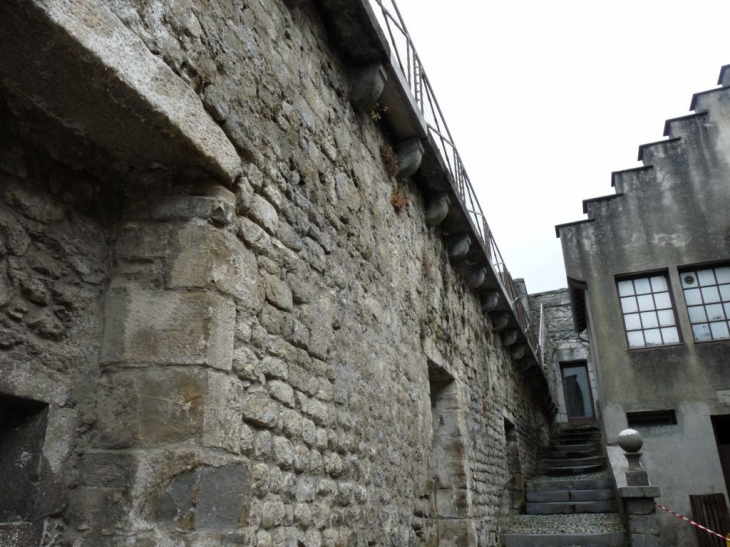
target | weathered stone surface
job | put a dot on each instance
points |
(205, 257)
(260, 410)
(101, 54)
(168, 328)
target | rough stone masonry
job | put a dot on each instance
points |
(215, 327)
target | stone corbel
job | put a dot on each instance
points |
(475, 278)
(366, 85)
(491, 300)
(500, 320)
(510, 337)
(410, 155)
(438, 209)
(517, 352)
(459, 246)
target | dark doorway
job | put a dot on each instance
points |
(577, 391)
(721, 425)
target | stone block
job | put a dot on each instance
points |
(204, 497)
(640, 506)
(169, 328)
(273, 514)
(276, 322)
(142, 241)
(282, 452)
(221, 497)
(278, 293)
(642, 540)
(644, 525)
(206, 257)
(274, 367)
(281, 392)
(260, 410)
(158, 405)
(264, 214)
(152, 117)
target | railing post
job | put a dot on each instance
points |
(637, 496)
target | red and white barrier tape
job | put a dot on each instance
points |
(693, 523)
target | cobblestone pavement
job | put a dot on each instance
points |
(566, 524)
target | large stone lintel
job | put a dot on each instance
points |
(96, 77)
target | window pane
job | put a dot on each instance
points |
(701, 332)
(692, 296)
(662, 300)
(697, 314)
(659, 284)
(719, 330)
(625, 288)
(689, 279)
(653, 337)
(705, 277)
(723, 274)
(710, 295)
(725, 293)
(666, 318)
(649, 320)
(642, 286)
(670, 335)
(714, 312)
(632, 321)
(646, 302)
(636, 339)
(727, 309)
(629, 305)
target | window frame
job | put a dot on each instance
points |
(694, 268)
(646, 275)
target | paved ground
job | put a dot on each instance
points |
(566, 524)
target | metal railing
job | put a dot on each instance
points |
(395, 30)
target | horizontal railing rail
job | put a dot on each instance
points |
(395, 29)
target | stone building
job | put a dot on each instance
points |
(244, 298)
(649, 277)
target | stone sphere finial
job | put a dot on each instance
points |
(630, 440)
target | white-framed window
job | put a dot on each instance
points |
(648, 311)
(707, 295)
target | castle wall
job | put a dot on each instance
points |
(286, 361)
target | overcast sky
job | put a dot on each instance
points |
(545, 99)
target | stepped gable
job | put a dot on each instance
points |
(654, 199)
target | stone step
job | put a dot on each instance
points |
(559, 452)
(598, 539)
(567, 530)
(571, 469)
(563, 507)
(551, 485)
(573, 446)
(571, 495)
(571, 462)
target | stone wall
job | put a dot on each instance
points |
(259, 364)
(561, 343)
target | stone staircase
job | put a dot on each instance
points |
(572, 502)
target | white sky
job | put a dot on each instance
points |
(545, 99)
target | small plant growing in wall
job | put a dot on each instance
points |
(398, 200)
(390, 160)
(377, 111)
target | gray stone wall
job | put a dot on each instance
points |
(561, 343)
(54, 268)
(253, 365)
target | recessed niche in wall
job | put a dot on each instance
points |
(22, 432)
(651, 418)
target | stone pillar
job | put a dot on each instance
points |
(637, 496)
(167, 452)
